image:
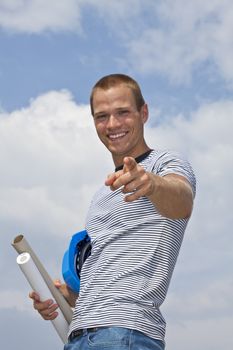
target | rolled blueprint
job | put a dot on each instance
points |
(37, 283)
(21, 246)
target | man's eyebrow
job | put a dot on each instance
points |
(100, 113)
(120, 108)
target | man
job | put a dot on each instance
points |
(136, 222)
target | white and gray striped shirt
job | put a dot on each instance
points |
(134, 251)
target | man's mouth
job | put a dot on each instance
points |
(117, 136)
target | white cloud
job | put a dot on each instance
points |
(36, 16)
(211, 299)
(199, 304)
(206, 138)
(201, 334)
(52, 161)
(10, 299)
(186, 35)
(50, 158)
(173, 37)
(117, 12)
(196, 318)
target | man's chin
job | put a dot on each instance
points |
(116, 152)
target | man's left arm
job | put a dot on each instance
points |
(171, 194)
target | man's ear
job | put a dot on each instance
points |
(144, 113)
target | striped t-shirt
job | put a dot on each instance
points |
(134, 251)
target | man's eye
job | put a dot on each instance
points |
(101, 117)
(123, 112)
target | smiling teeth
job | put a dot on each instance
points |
(117, 135)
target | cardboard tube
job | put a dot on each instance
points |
(38, 284)
(21, 246)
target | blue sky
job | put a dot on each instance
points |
(51, 54)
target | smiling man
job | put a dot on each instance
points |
(136, 222)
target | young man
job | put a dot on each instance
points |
(136, 222)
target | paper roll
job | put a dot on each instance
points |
(37, 283)
(21, 246)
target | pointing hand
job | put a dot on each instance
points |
(133, 179)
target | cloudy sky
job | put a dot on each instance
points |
(51, 53)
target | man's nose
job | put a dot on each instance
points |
(113, 121)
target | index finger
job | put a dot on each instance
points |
(129, 164)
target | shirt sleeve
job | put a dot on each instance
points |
(174, 163)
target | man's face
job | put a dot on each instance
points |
(118, 123)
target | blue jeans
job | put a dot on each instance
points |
(114, 338)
